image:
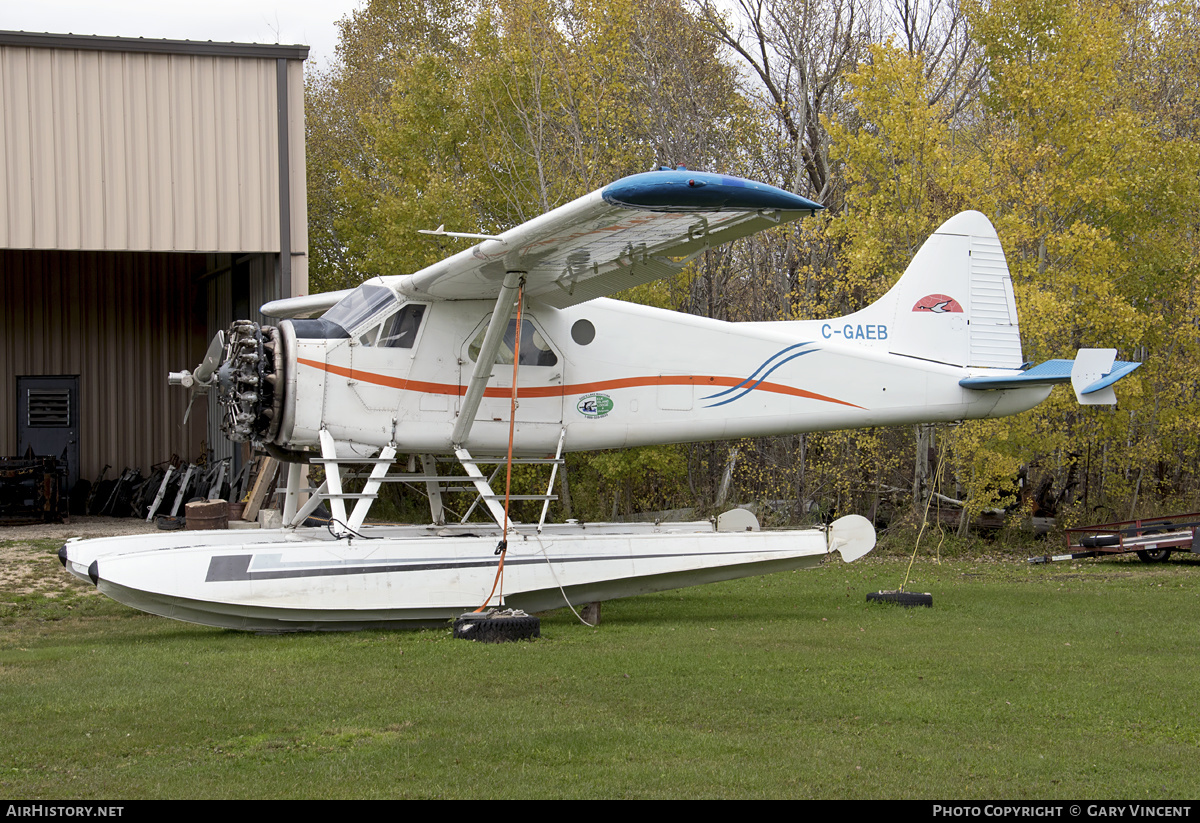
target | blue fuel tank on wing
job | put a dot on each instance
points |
(684, 190)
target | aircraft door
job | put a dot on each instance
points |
(540, 370)
(381, 359)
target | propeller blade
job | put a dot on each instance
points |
(188, 412)
(199, 382)
(212, 359)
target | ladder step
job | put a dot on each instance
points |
(351, 461)
(535, 461)
(442, 482)
(417, 478)
(491, 461)
(521, 496)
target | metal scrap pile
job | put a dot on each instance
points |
(31, 490)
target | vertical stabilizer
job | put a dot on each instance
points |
(954, 304)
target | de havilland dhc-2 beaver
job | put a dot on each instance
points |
(406, 370)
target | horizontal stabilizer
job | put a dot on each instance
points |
(1092, 374)
(1120, 368)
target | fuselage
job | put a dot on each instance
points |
(610, 374)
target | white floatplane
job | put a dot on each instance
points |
(403, 369)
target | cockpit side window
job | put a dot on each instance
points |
(535, 350)
(400, 330)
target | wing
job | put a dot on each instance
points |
(633, 231)
(309, 305)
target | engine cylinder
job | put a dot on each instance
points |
(247, 381)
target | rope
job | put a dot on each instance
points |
(937, 481)
(561, 590)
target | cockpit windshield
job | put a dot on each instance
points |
(359, 305)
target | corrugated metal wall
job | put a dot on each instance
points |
(121, 321)
(126, 151)
(297, 180)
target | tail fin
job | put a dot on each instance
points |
(954, 304)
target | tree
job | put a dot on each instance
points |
(1092, 196)
(490, 115)
(344, 98)
(1071, 123)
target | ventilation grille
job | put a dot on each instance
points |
(49, 408)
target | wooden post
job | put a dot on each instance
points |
(266, 473)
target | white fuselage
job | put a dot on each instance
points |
(620, 375)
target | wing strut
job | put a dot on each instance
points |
(487, 357)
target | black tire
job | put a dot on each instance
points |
(485, 628)
(1099, 541)
(902, 598)
(320, 516)
(1153, 555)
(168, 523)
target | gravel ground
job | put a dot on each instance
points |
(78, 527)
(27, 567)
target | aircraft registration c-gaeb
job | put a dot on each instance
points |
(423, 365)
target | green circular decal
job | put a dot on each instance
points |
(595, 405)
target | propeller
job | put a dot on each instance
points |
(200, 381)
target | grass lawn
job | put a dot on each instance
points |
(1062, 681)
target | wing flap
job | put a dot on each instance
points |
(571, 289)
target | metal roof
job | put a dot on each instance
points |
(88, 42)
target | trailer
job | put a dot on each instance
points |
(1153, 539)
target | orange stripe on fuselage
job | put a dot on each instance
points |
(576, 388)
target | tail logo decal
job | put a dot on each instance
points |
(938, 304)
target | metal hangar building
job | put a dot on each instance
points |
(151, 191)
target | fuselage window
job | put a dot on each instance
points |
(583, 332)
(535, 351)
